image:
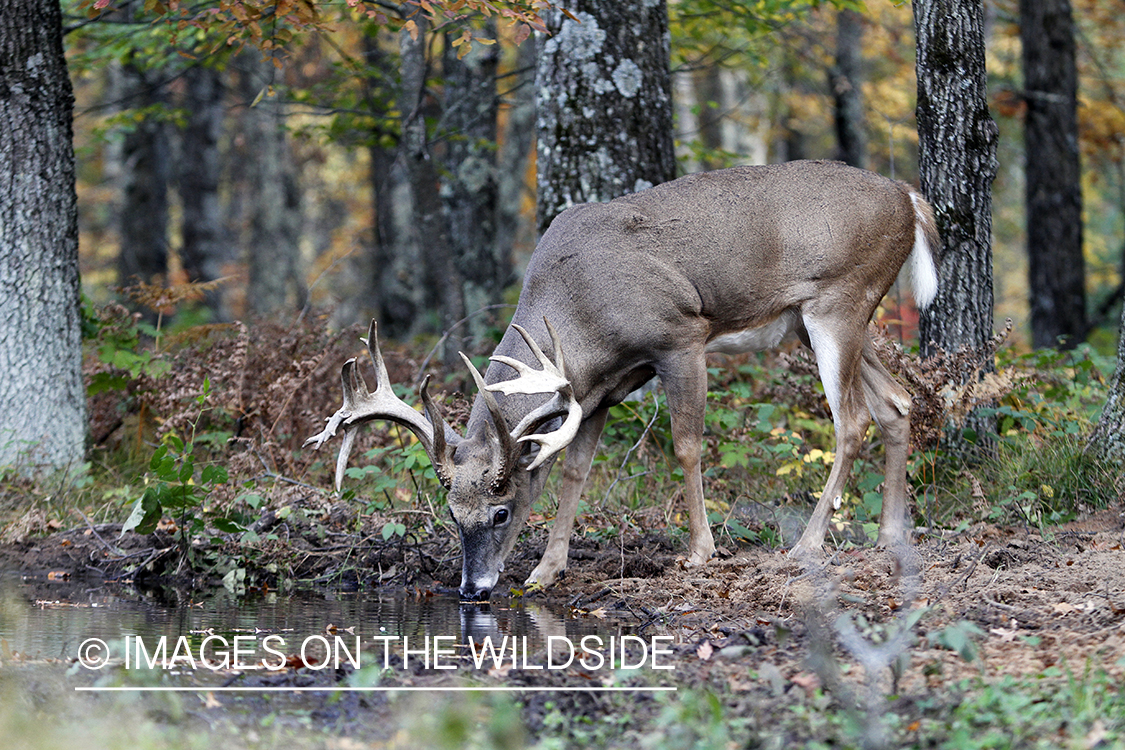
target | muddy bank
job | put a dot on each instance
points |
(740, 629)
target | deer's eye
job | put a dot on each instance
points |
(500, 517)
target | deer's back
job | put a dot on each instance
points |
(735, 247)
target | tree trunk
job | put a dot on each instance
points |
(272, 230)
(200, 170)
(1054, 179)
(605, 103)
(442, 284)
(380, 281)
(145, 162)
(471, 188)
(515, 152)
(957, 154)
(1108, 439)
(957, 162)
(845, 80)
(42, 396)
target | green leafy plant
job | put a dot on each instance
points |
(179, 488)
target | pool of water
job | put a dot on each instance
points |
(43, 619)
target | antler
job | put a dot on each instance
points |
(361, 405)
(552, 378)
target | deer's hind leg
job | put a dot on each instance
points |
(889, 404)
(684, 375)
(838, 346)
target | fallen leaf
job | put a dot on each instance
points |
(1096, 735)
(807, 681)
(209, 701)
(1007, 635)
(704, 650)
(739, 684)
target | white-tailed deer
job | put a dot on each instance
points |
(647, 284)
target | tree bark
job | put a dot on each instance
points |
(845, 80)
(471, 189)
(1107, 442)
(957, 162)
(605, 103)
(957, 153)
(42, 396)
(272, 229)
(200, 171)
(516, 148)
(442, 283)
(1057, 280)
(145, 168)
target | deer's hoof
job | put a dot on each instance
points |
(805, 552)
(699, 558)
(542, 577)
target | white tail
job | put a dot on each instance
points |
(923, 270)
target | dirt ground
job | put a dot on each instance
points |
(745, 624)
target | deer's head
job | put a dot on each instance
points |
(490, 473)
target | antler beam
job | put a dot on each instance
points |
(361, 405)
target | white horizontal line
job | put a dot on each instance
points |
(392, 689)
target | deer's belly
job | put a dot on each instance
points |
(758, 338)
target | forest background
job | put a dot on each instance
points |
(284, 163)
(281, 171)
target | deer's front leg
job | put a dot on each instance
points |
(576, 467)
(685, 383)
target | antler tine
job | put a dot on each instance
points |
(557, 347)
(552, 442)
(504, 458)
(376, 355)
(440, 456)
(551, 378)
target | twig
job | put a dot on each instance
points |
(445, 335)
(281, 478)
(946, 589)
(628, 453)
(156, 555)
(1001, 605)
(104, 543)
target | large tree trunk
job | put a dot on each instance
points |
(42, 396)
(1108, 439)
(605, 103)
(272, 229)
(442, 283)
(145, 167)
(1054, 179)
(471, 188)
(516, 147)
(957, 162)
(957, 154)
(381, 281)
(845, 79)
(200, 171)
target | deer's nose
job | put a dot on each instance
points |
(475, 594)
